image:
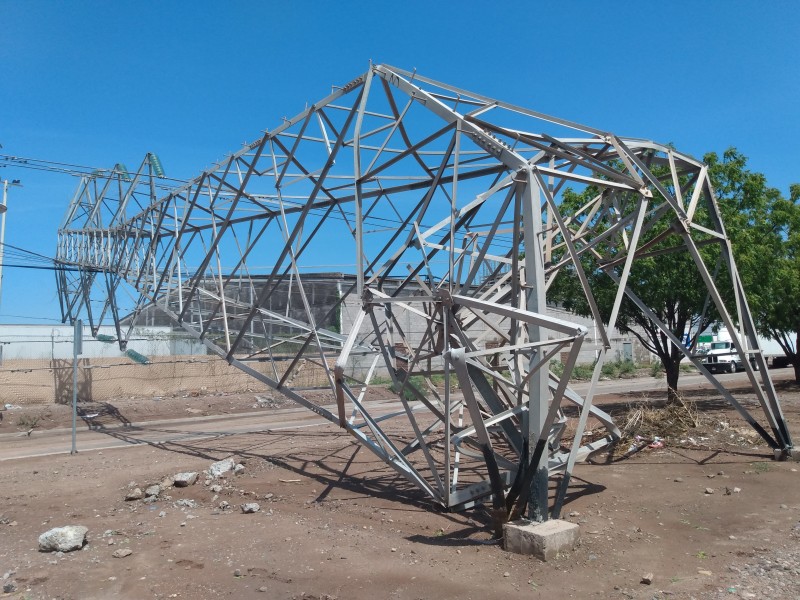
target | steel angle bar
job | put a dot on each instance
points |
(612, 321)
(700, 367)
(495, 103)
(531, 462)
(364, 387)
(566, 235)
(385, 449)
(571, 396)
(525, 316)
(287, 245)
(421, 441)
(769, 407)
(342, 361)
(457, 359)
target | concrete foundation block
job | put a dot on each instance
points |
(542, 540)
(791, 454)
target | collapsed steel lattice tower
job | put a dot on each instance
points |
(449, 206)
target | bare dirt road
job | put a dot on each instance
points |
(118, 431)
(336, 523)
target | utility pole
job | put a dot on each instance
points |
(3, 208)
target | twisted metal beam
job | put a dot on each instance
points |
(448, 208)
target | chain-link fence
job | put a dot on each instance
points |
(37, 367)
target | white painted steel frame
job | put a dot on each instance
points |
(449, 205)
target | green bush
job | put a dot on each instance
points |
(627, 367)
(416, 381)
(582, 372)
(610, 370)
(618, 368)
(657, 370)
(557, 368)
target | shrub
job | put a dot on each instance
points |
(657, 370)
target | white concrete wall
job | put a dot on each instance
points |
(55, 342)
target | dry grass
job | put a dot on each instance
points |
(643, 423)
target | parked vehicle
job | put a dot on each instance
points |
(721, 356)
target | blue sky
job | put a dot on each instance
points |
(96, 83)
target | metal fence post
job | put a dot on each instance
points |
(77, 349)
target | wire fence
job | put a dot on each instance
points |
(38, 370)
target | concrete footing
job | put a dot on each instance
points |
(542, 540)
(790, 454)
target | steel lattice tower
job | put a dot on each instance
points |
(449, 206)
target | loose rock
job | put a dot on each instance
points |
(153, 490)
(63, 539)
(185, 479)
(186, 503)
(647, 578)
(250, 507)
(122, 553)
(134, 494)
(709, 490)
(221, 467)
(238, 469)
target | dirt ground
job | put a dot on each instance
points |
(335, 523)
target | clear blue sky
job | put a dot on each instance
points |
(98, 83)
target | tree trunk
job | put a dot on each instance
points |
(672, 369)
(795, 358)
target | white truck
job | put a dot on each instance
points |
(720, 355)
